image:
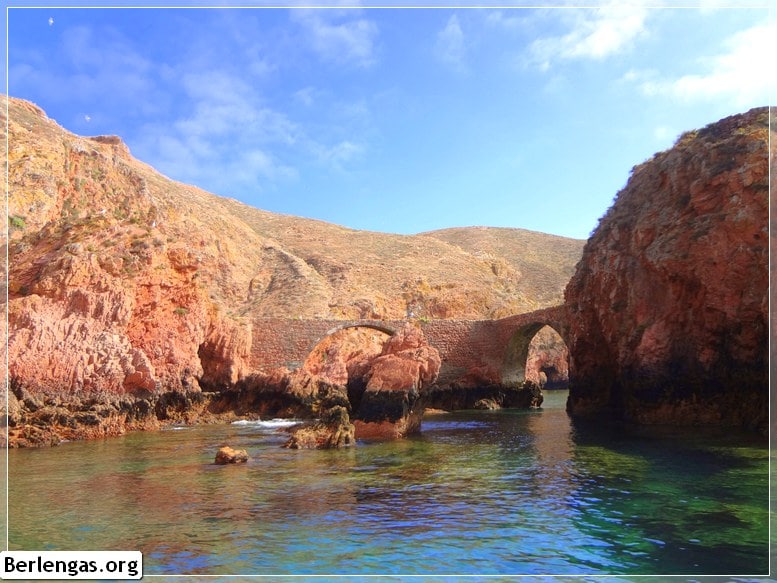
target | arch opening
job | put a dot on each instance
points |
(537, 352)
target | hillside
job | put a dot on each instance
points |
(87, 197)
(542, 259)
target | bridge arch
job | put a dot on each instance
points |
(379, 326)
(521, 344)
(342, 343)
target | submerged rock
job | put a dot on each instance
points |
(486, 405)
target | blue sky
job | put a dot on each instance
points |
(402, 120)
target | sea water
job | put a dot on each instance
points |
(511, 492)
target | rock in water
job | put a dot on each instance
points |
(668, 307)
(334, 430)
(227, 455)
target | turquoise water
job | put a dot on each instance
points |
(505, 492)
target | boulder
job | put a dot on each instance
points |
(333, 430)
(227, 455)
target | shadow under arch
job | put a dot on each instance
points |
(517, 351)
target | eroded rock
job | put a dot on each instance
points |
(333, 430)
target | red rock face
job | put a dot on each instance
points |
(85, 328)
(668, 307)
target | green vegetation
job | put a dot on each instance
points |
(180, 311)
(16, 222)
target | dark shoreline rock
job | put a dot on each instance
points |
(41, 420)
(455, 397)
(36, 420)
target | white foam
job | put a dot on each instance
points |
(268, 424)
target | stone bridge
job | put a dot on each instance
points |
(499, 346)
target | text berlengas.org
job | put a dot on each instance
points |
(72, 568)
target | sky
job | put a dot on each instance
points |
(399, 120)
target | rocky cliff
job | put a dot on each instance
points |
(125, 286)
(668, 307)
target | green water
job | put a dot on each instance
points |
(506, 492)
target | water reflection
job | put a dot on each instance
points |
(518, 492)
(681, 500)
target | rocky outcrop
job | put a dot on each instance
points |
(353, 381)
(227, 455)
(43, 419)
(281, 393)
(391, 405)
(333, 430)
(668, 308)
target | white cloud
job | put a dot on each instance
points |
(663, 133)
(199, 116)
(231, 142)
(451, 47)
(337, 156)
(226, 140)
(100, 69)
(224, 104)
(594, 34)
(507, 21)
(743, 73)
(339, 39)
